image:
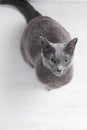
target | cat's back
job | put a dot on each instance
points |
(47, 27)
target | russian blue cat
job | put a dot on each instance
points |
(46, 45)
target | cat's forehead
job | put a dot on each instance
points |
(59, 52)
(59, 49)
(57, 46)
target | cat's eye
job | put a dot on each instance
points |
(66, 61)
(52, 60)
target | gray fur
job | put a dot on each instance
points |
(43, 39)
(46, 46)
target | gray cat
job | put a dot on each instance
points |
(46, 45)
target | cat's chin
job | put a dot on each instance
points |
(58, 74)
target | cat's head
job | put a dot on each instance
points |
(57, 56)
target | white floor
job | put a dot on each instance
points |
(24, 103)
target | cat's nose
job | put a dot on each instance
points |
(59, 70)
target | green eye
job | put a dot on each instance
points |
(52, 60)
(66, 61)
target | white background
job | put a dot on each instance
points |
(24, 102)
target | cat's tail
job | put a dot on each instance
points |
(24, 7)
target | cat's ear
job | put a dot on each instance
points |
(45, 44)
(71, 45)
